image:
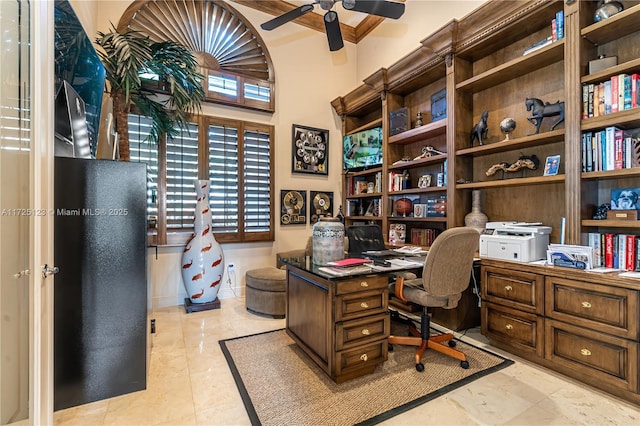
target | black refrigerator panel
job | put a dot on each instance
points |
(100, 296)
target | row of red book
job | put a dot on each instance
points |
(619, 93)
(423, 236)
(620, 251)
(609, 149)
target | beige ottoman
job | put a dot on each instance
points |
(265, 291)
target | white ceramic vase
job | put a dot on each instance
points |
(328, 240)
(476, 219)
(202, 259)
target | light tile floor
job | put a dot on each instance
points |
(190, 384)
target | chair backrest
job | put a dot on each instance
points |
(365, 238)
(448, 266)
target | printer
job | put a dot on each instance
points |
(516, 241)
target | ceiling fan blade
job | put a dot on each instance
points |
(286, 17)
(387, 9)
(334, 35)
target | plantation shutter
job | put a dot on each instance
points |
(223, 174)
(257, 181)
(182, 171)
(144, 151)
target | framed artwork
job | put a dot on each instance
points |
(551, 165)
(293, 210)
(320, 205)
(310, 148)
(625, 199)
(399, 121)
(439, 105)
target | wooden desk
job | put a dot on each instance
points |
(342, 323)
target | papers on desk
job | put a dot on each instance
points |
(345, 271)
(630, 274)
(411, 250)
(398, 265)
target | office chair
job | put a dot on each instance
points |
(445, 275)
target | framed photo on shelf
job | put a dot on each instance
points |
(399, 121)
(551, 165)
(293, 210)
(625, 199)
(310, 149)
(439, 105)
(320, 205)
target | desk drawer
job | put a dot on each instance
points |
(592, 356)
(363, 356)
(362, 283)
(356, 305)
(361, 331)
(519, 290)
(521, 330)
(612, 310)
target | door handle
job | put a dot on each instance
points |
(48, 270)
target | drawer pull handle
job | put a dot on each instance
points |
(364, 305)
(364, 284)
(508, 327)
(366, 332)
(508, 288)
(364, 357)
(586, 304)
(585, 352)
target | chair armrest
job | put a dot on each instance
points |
(399, 287)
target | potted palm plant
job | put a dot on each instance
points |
(125, 55)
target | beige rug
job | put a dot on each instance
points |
(280, 385)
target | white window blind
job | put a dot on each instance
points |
(223, 173)
(182, 171)
(257, 181)
(224, 85)
(144, 151)
(258, 93)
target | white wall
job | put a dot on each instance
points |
(308, 77)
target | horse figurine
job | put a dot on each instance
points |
(542, 110)
(480, 130)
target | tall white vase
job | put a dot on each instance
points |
(202, 259)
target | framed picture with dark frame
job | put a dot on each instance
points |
(293, 209)
(320, 205)
(310, 149)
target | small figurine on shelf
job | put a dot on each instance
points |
(340, 216)
(507, 126)
(541, 110)
(480, 130)
(419, 119)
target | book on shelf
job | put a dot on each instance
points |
(618, 251)
(618, 93)
(538, 45)
(559, 24)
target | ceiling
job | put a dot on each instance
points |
(354, 25)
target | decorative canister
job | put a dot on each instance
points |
(202, 259)
(476, 219)
(328, 240)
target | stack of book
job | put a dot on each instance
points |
(609, 149)
(619, 93)
(618, 251)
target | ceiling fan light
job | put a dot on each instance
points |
(348, 4)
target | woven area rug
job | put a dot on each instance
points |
(280, 385)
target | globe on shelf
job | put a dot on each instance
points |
(507, 126)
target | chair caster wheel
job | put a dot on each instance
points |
(464, 364)
(390, 347)
(420, 367)
(452, 343)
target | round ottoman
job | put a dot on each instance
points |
(265, 291)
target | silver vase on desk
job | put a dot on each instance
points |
(328, 240)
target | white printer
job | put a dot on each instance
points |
(517, 241)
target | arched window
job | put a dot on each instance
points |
(230, 51)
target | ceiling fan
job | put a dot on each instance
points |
(386, 9)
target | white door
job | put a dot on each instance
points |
(26, 222)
